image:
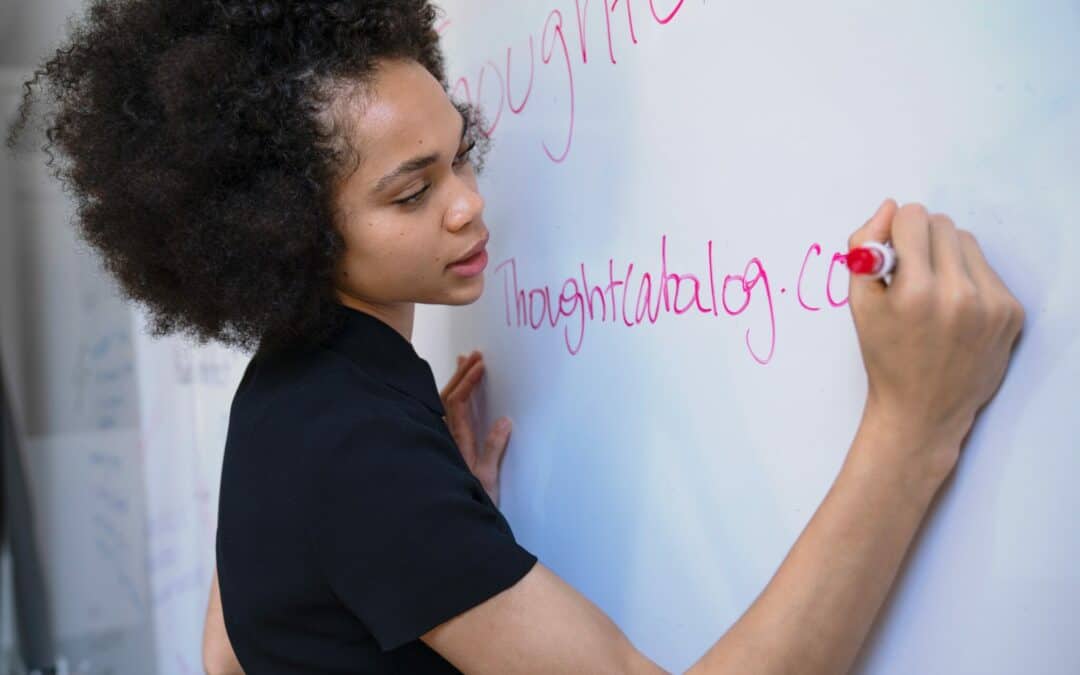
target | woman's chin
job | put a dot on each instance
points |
(467, 294)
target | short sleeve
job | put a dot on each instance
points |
(405, 534)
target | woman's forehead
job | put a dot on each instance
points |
(405, 108)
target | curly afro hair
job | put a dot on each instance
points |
(197, 142)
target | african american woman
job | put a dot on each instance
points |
(292, 178)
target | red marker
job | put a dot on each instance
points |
(872, 258)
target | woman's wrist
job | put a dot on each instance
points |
(908, 454)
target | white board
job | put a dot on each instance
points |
(665, 467)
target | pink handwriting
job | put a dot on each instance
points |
(532, 73)
(502, 95)
(582, 15)
(553, 43)
(629, 300)
(546, 58)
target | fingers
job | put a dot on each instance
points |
(911, 239)
(470, 377)
(495, 446)
(457, 399)
(989, 283)
(876, 229)
(463, 366)
(981, 273)
(459, 422)
(959, 261)
(946, 257)
(497, 440)
(463, 363)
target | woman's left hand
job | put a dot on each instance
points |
(457, 400)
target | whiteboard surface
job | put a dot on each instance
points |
(664, 468)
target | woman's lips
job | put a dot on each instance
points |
(470, 267)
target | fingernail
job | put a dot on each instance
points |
(504, 425)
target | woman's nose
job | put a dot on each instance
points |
(467, 206)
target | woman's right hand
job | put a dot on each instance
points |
(937, 340)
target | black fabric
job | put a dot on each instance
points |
(349, 523)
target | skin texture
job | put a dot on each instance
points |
(397, 254)
(935, 344)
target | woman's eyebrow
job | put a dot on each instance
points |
(416, 163)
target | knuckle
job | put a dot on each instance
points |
(1000, 313)
(969, 244)
(965, 294)
(916, 299)
(1018, 311)
(1000, 321)
(914, 210)
(962, 307)
(1012, 313)
(940, 220)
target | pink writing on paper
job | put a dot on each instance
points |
(627, 298)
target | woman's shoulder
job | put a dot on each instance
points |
(324, 395)
(320, 374)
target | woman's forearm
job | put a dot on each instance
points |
(218, 655)
(815, 613)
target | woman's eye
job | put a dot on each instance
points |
(414, 198)
(463, 156)
(418, 196)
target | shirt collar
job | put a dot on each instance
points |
(386, 355)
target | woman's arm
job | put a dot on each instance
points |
(935, 344)
(217, 651)
(814, 614)
(811, 619)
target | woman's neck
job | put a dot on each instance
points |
(398, 316)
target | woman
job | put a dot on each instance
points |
(292, 176)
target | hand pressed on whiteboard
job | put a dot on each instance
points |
(937, 340)
(457, 400)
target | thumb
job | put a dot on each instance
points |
(878, 228)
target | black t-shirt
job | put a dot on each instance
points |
(349, 523)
